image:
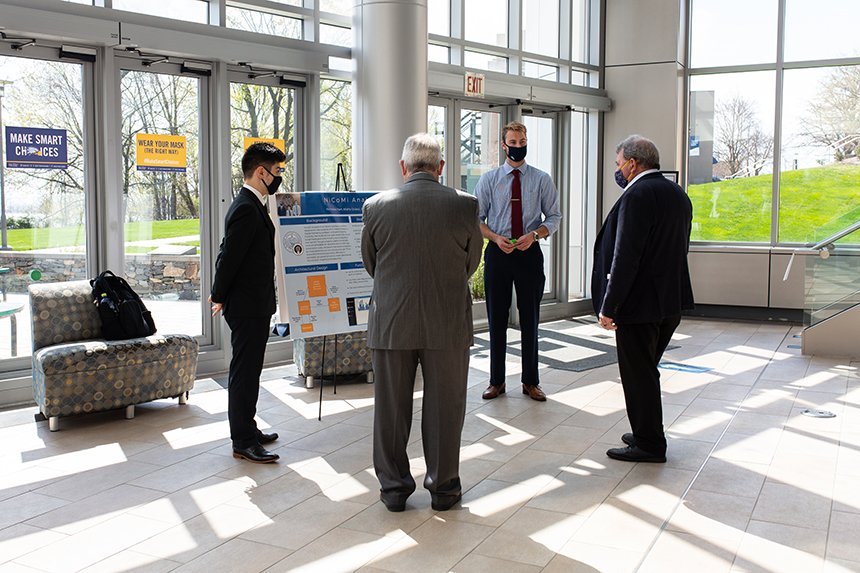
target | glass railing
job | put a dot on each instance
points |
(833, 281)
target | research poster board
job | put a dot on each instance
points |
(326, 289)
(160, 152)
(36, 148)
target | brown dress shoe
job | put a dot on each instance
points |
(534, 392)
(493, 391)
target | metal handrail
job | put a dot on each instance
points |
(823, 248)
(835, 237)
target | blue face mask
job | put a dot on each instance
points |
(517, 154)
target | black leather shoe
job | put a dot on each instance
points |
(629, 439)
(267, 438)
(393, 502)
(493, 391)
(256, 453)
(444, 503)
(635, 454)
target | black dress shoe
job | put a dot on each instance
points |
(393, 502)
(256, 453)
(493, 391)
(267, 438)
(444, 503)
(629, 439)
(635, 454)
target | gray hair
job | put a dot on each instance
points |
(641, 149)
(422, 152)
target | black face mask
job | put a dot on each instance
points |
(620, 179)
(517, 154)
(272, 187)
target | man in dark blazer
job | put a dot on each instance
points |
(640, 285)
(420, 243)
(243, 289)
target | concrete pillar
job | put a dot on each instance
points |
(390, 86)
(645, 67)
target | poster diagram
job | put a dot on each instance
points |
(326, 288)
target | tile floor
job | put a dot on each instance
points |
(750, 485)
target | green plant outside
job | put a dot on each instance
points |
(813, 204)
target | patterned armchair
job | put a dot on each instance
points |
(345, 353)
(75, 371)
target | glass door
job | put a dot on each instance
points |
(437, 117)
(265, 111)
(480, 145)
(163, 181)
(44, 184)
(542, 154)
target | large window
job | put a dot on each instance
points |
(819, 191)
(264, 22)
(43, 187)
(187, 10)
(487, 21)
(832, 24)
(540, 27)
(730, 168)
(733, 32)
(748, 181)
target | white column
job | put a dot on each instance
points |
(645, 64)
(390, 87)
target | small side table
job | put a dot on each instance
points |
(10, 309)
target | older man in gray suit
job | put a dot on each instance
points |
(420, 243)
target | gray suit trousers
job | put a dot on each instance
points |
(443, 410)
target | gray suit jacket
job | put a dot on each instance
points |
(421, 243)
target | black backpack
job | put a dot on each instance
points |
(122, 312)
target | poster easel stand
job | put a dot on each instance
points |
(322, 372)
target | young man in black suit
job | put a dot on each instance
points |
(640, 285)
(243, 289)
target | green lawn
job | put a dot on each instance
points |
(813, 204)
(29, 239)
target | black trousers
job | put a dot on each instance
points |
(640, 348)
(248, 335)
(522, 270)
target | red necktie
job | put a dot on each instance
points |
(516, 206)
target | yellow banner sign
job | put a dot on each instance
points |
(279, 143)
(158, 152)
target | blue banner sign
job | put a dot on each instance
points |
(36, 148)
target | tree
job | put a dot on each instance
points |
(739, 140)
(162, 104)
(335, 132)
(262, 111)
(833, 118)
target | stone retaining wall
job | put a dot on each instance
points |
(152, 276)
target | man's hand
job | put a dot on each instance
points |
(504, 244)
(606, 322)
(216, 306)
(524, 242)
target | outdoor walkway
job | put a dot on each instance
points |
(750, 484)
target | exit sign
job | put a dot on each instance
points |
(474, 85)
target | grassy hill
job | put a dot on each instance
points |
(814, 203)
(30, 239)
